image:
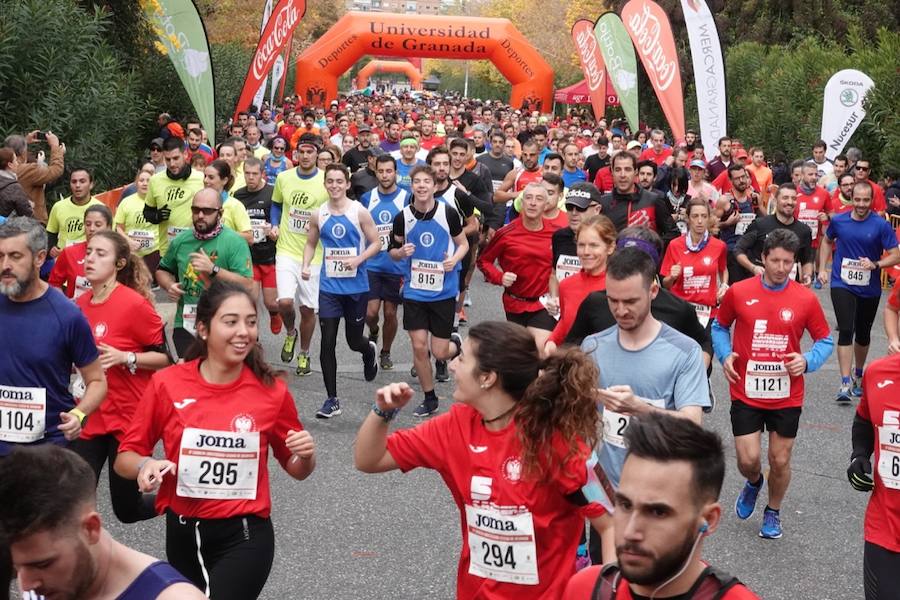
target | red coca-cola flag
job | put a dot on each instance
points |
(651, 32)
(285, 18)
(591, 64)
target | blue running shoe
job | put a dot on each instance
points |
(426, 409)
(817, 284)
(844, 396)
(771, 527)
(331, 408)
(746, 501)
(856, 390)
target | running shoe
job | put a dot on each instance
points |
(461, 315)
(373, 334)
(331, 408)
(441, 372)
(275, 325)
(771, 527)
(287, 350)
(426, 409)
(844, 396)
(303, 368)
(746, 501)
(385, 362)
(817, 284)
(413, 372)
(468, 300)
(370, 365)
(456, 339)
(856, 390)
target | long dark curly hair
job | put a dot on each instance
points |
(555, 397)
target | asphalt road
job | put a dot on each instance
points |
(342, 534)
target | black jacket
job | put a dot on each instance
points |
(640, 208)
(13, 198)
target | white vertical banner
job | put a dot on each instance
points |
(277, 74)
(261, 92)
(843, 108)
(709, 73)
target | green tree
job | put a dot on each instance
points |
(57, 71)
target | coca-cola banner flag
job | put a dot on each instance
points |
(181, 35)
(651, 32)
(591, 64)
(843, 109)
(709, 72)
(621, 65)
(285, 18)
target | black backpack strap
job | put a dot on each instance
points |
(713, 584)
(609, 574)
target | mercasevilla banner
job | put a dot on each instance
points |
(843, 108)
(181, 35)
(709, 72)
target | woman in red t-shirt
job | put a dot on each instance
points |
(695, 265)
(218, 414)
(515, 453)
(68, 270)
(595, 242)
(129, 335)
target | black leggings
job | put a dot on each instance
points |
(881, 572)
(855, 316)
(228, 559)
(353, 331)
(129, 504)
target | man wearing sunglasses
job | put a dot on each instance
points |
(862, 170)
(197, 256)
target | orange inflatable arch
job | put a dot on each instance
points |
(358, 34)
(389, 66)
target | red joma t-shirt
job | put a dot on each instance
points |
(768, 325)
(218, 435)
(698, 282)
(807, 211)
(880, 405)
(127, 322)
(513, 528)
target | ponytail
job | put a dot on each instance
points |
(558, 406)
(135, 273)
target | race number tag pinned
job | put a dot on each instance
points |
(82, 285)
(384, 235)
(703, 313)
(22, 414)
(767, 380)
(189, 318)
(502, 546)
(258, 228)
(889, 456)
(853, 273)
(427, 275)
(334, 262)
(143, 237)
(218, 465)
(566, 266)
(744, 220)
(174, 231)
(298, 220)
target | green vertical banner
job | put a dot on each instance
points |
(182, 36)
(621, 63)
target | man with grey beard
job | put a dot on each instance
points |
(45, 336)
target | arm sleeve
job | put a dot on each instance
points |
(721, 339)
(862, 437)
(275, 214)
(691, 384)
(487, 258)
(423, 446)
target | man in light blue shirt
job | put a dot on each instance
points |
(645, 365)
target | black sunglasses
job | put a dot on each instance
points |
(207, 212)
(570, 207)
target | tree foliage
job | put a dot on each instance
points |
(58, 72)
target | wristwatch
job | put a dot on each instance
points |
(215, 271)
(131, 362)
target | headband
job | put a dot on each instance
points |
(410, 141)
(642, 245)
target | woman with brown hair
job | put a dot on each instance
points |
(13, 199)
(68, 269)
(129, 335)
(218, 415)
(514, 451)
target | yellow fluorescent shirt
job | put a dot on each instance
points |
(300, 196)
(130, 215)
(234, 215)
(67, 220)
(177, 196)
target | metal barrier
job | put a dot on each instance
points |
(892, 272)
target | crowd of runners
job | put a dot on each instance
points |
(627, 265)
